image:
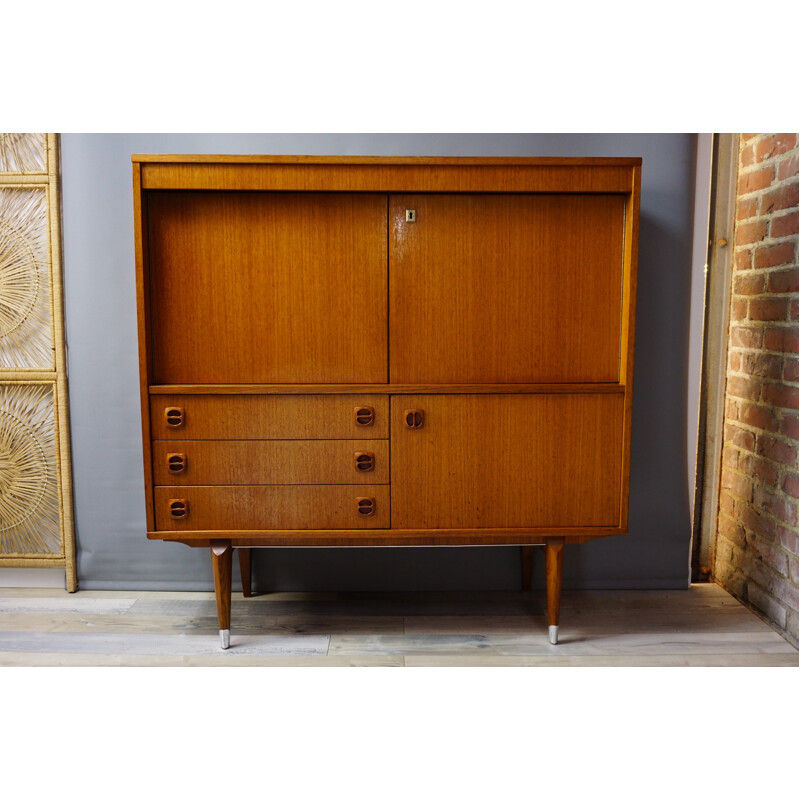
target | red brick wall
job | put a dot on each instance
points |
(756, 549)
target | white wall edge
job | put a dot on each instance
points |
(33, 578)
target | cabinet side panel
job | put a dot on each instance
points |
(143, 311)
(629, 330)
(268, 288)
(507, 461)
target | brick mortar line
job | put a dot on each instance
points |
(750, 429)
(764, 295)
(762, 324)
(768, 239)
(753, 579)
(782, 473)
(767, 381)
(772, 323)
(761, 511)
(760, 350)
(774, 185)
(768, 217)
(773, 161)
(782, 470)
(783, 578)
(771, 381)
(777, 545)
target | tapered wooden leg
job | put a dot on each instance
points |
(526, 553)
(554, 565)
(245, 565)
(221, 560)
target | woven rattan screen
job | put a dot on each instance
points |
(36, 528)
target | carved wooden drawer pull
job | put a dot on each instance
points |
(366, 506)
(176, 463)
(365, 462)
(365, 415)
(175, 417)
(178, 509)
(414, 417)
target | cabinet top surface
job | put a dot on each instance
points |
(387, 160)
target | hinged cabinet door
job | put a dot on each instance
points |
(506, 461)
(268, 287)
(505, 288)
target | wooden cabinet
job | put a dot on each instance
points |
(366, 351)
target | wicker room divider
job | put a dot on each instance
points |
(36, 520)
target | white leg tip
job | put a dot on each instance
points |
(225, 639)
(553, 633)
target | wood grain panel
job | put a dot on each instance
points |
(221, 463)
(500, 461)
(423, 537)
(628, 331)
(505, 289)
(267, 288)
(388, 388)
(270, 417)
(271, 507)
(405, 175)
(386, 161)
(143, 325)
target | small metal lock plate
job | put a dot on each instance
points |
(411, 215)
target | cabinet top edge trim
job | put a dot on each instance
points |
(387, 388)
(459, 161)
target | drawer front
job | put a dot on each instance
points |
(242, 508)
(506, 461)
(269, 416)
(228, 463)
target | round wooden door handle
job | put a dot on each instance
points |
(414, 418)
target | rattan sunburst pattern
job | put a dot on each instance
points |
(22, 152)
(25, 315)
(29, 507)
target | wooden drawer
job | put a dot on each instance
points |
(241, 508)
(269, 416)
(226, 463)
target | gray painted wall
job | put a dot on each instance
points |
(104, 399)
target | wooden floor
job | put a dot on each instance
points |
(703, 626)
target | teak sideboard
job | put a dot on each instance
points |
(359, 352)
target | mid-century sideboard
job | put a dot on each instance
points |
(360, 352)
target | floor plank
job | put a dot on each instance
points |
(71, 604)
(162, 644)
(128, 660)
(208, 625)
(633, 644)
(719, 660)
